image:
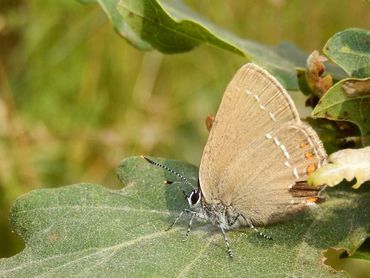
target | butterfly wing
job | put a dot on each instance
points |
(258, 182)
(253, 104)
(258, 149)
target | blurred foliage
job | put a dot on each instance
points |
(75, 98)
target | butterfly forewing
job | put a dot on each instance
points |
(253, 104)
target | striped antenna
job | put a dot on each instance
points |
(168, 169)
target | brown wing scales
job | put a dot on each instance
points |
(258, 149)
(253, 104)
(258, 181)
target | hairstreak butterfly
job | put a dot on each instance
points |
(256, 159)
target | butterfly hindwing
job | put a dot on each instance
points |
(258, 181)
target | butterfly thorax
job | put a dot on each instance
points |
(223, 216)
(219, 214)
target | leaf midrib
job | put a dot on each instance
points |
(126, 209)
(98, 250)
(341, 102)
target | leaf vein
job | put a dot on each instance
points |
(113, 249)
(125, 209)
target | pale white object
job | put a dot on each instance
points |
(344, 164)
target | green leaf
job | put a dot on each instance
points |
(121, 27)
(350, 49)
(332, 135)
(348, 100)
(171, 27)
(89, 230)
(355, 266)
(344, 164)
(363, 252)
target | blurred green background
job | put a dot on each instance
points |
(75, 98)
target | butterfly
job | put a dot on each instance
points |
(256, 160)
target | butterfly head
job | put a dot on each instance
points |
(194, 198)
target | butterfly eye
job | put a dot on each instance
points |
(194, 197)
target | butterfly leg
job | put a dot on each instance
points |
(179, 216)
(256, 230)
(232, 221)
(229, 251)
(189, 226)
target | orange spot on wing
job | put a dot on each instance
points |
(310, 168)
(303, 145)
(308, 155)
(314, 200)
